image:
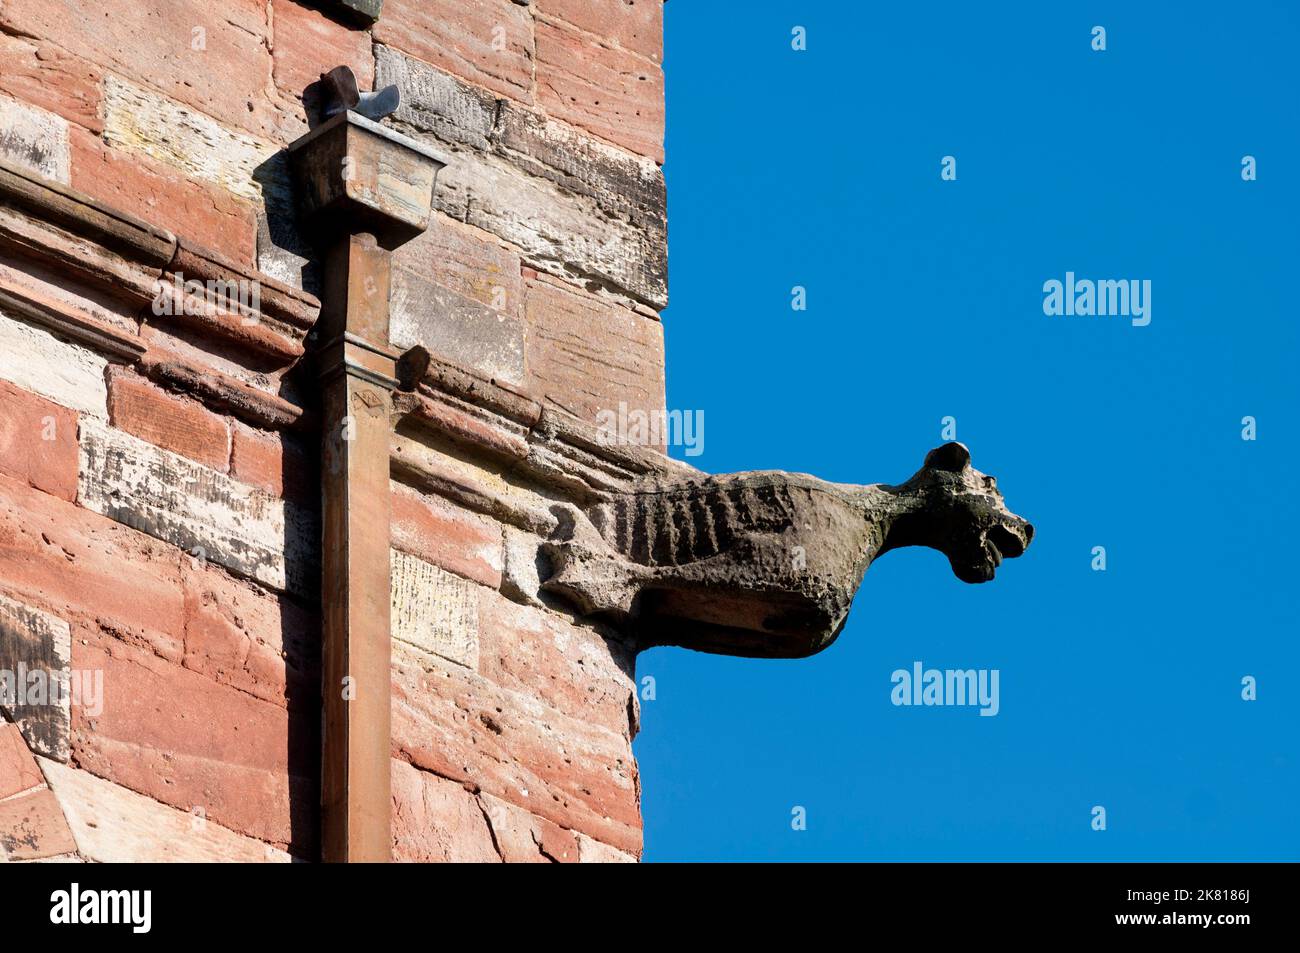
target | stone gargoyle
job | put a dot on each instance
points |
(766, 564)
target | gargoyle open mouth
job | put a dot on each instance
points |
(1009, 542)
(1001, 541)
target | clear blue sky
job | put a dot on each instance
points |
(1119, 688)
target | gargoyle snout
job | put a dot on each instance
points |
(1012, 537)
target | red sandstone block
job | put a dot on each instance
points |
(18, 770)
(276, 462)
(40, 73)
(58, 556)
(459, 725)
(488, 42)
(214, 57)
(569, 667)
(447, 536)
(437, 821)
(38, 442)
(588, 355)
(615, 94)
(182, 739)
(33, 826)
(238, 634)
(306, 43)
(525, 839)
(160, 196)
(178, 424)
(469, 262)
(635, 25)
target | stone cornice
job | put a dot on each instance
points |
(529, 455)
(99, 247)
(57, 207)
(122, 257)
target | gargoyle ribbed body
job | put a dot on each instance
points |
(767, 563)
(685, 522)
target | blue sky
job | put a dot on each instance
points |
(1120, 688)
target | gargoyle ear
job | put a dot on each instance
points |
(952, 457)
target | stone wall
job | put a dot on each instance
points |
(159, 502)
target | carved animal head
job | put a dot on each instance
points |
(950, 506)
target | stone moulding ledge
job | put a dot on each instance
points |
(72, 236)
(461, 416)
(98, 246)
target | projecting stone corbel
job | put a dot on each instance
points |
(363, 190)
(766, 564)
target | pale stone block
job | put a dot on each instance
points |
(204, 512)
(592, 851)
(114, 825)
(147, 123)
(434, 610)
(37, 361)
(455, 328)
(32, 641)
(572, 205)
(34, 139)
(520, 579)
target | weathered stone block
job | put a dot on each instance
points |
(179, 424)
(525, 839)
(276, 462)
(41, 363)
(570, 334)
(461, 726)
(434, 530)
(113, 825)
(42, 74)
(32, 827)
(467, 261)
(520, 576)
(141, 121)
(38, 442)
(615, 94)
(34, 139)
(488, 42)
(623, 185)
(574, 206)
(571, 668)
(455, 328)
(634, 25)
(306, 43)
(207, 214)
(437, 821)
(437, 102)
(18, 771)
(238, 634)
(434, 610)
(211, 57)
(182, 739)
(53, 553)
(204, 512)
(35, 648)
(592, 851)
